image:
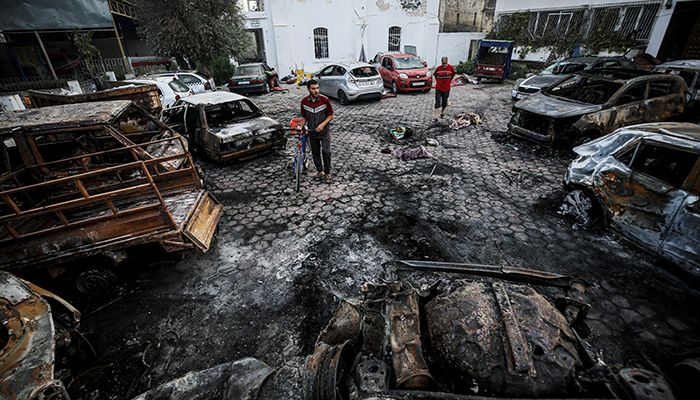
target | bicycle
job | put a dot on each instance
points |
(300, 160)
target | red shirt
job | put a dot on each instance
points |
(316, 112)
(443, 77)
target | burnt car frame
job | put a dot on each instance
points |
(583, 106)
(225, 126)
(690, 71)
(644, 181)
(94, 180)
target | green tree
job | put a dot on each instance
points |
(202, 30)
(82, 42)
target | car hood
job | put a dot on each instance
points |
(245, 77)
(250, 127)
(554, 107)
(540, 81)
(413, 71)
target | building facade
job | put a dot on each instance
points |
(466, 15)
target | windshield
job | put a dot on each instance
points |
(408, 63)
(226, 113)
(585, 89)
(562, 68)
(247, 70)
(364, 72)
(177, 86)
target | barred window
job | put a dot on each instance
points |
(255, 5)
(321, 42)
(394, 38)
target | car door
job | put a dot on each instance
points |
(664, 100)
(628, 106)
(385, 70)
(682, 242)
(647, 193)
(337, 75)
(323, 79)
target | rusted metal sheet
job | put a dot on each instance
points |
(404, 324)
(145, 96)
(202, 224)
(27, 355)
(640, 384)
(96, 177)
(506, 337)
(327, 368)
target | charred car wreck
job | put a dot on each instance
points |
(588, 105)
(225, 126)
(94, 179)
(644, 181)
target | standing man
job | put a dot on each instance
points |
(443, 82)
(317, 113)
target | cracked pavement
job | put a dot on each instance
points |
(484, 198)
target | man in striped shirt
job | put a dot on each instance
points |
(317, 113)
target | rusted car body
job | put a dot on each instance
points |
(585, 105)
(145, 96)
(644, 180)
(87, 179)
(30, 338)
(689, 70)
(225, 126)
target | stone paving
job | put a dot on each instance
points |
(484, 198)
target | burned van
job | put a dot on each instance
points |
(95, 179)
(225, 126)
(586, 105)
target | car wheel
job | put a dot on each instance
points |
(342, 98)
(581, 205)
(394, 88)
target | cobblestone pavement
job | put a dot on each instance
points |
(484, 198)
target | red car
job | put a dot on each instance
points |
(405, 72)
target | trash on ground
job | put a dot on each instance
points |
(411, 153)
(462, 120)
(432, 142)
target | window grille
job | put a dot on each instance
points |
(394, 38)
(255, 5)
(321, 42)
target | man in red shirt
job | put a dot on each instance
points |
(443, 82)
(317, 113)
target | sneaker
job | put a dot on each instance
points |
(320, 175)
(328, 178)
(435, 120)
(442, 115)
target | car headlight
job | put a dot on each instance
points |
(403, 76)
(428, 75)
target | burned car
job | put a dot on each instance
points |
(39, 335)
(689, 70)
(584, 106)
(225, 126)
(94, 180)
(644, 181)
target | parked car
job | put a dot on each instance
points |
(170, 90)
(584, 106)
(644, 181)
(352, 81)
(225, 126)
(405, 72)
(199, 82)
(689, 70)
(493, 59)
(567, 66)
(253, 78)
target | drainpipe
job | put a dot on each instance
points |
(46, 56)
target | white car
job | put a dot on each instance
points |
(169, 88)
(199, 82)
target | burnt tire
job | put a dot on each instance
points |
(97, 282)
(582, 205)
(342, 98)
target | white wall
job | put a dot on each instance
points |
(455, 45)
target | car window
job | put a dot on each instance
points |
(408, 62)
(226, 113)
(626, 155)
(585, 89)
(338, 71)
(177, 86)
(660, 88)
(386, 62)
(364, 72)
(189, 79)
(326, 71)
(626, 64)
(633, 94)
(663, 163)
(246, 70)
(569, 68)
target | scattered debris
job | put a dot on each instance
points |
(400, 133)
(463, 120)
(144, 95)
(432, 142)
(464, 79)
(411, 153)
(388, 95)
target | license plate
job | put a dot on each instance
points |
(418, 84)
(243, 82)
(365, 83)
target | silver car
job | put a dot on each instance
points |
(349, 82)
(644, 181)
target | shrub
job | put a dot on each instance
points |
(222, 70)
(466, 67)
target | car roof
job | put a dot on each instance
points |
(592, 59)
(621, 75)
(351, 65)
(681, 64)
(681, 130)
(393, 55)
(210, 98)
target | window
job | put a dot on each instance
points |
(326, 71)
(394, 38)
(254, 5)
(226, 113)
(634, 94)
(338, 71)
(189, 79)
(660, 88)
(668, 165)
(178, 86)
(557, 24)
(386, 63)
(321, 42)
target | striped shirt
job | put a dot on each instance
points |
(316, 112)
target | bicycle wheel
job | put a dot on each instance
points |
(298, 166)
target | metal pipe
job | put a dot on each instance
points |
(43, 50)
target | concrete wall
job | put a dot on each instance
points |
(466, 15)
(455, 45)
